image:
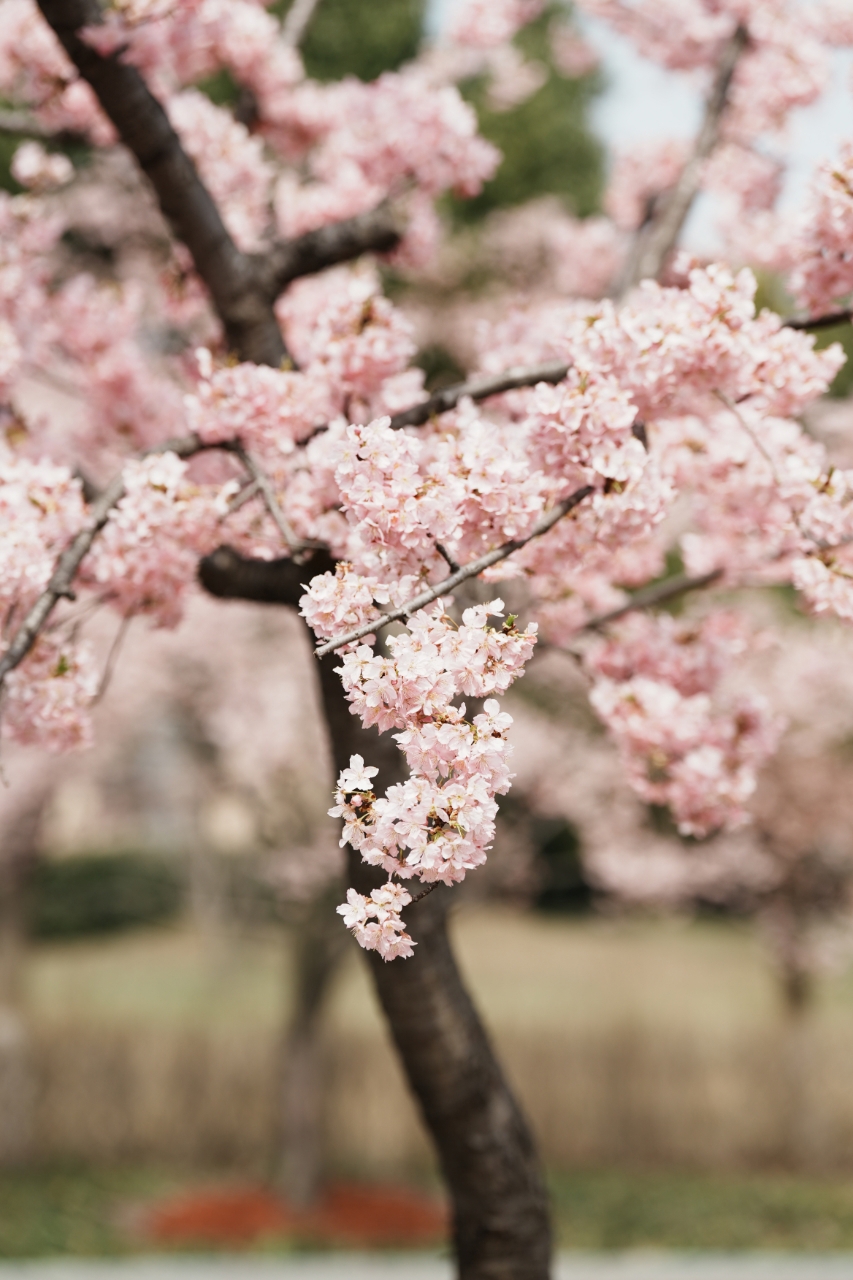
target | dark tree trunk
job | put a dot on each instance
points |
(501, 1223)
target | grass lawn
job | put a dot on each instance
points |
(88, 1214)
(695, 1211)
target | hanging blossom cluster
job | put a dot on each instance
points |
(438, 824)
(656, 687)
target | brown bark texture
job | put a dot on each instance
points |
(500, 1207)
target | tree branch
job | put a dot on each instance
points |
(376, 232)
(295, 25)
(146, 131)
(264, 487)
(243, 286)
(231, 576)
(470, 570)
(655, 241)
(657, 593)
(479, 388)
(829, 321)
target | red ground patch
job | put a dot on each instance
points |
(346, 1214)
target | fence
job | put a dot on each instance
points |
(621, 1097)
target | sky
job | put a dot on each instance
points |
(644, 102)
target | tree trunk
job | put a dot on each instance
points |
(319, 945)
(17, 858)
(501, 1226)
(501, 1220)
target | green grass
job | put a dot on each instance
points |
(78, 1213)
(703, 1212)
(89, 1214)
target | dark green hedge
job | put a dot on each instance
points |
(103, 893)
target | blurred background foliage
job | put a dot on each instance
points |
(546, 141)
(103, 893)
(354, 38)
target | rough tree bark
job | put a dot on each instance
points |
(500, 1207)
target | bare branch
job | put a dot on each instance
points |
(263, 486)
(658, 593)
(470, 570)
(655, 241)
(299, 15)
(112, 658)
(245, 495)
(479, 388)
(59, 586)
(829, 321)
(376, 232)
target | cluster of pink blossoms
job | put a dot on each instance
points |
(656, 687)
(439, 823)
(45, 700)
(823, 250)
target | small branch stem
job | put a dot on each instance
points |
(470, 570)
(829, 321)
(656, 240)
(479, 388)
(296, 22)
(264, 487)
(657, 593)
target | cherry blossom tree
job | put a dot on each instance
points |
(250, 414)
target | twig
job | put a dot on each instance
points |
(657, 593)
(377, 231)
(830, 321)
(470, 570)
(446, 556)
(112, 657)
(299, 15)
(264, 487)
(240, 499)
(59, 586)
(479, 388)
(424, 893)
(733, 408)
(655, 241)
